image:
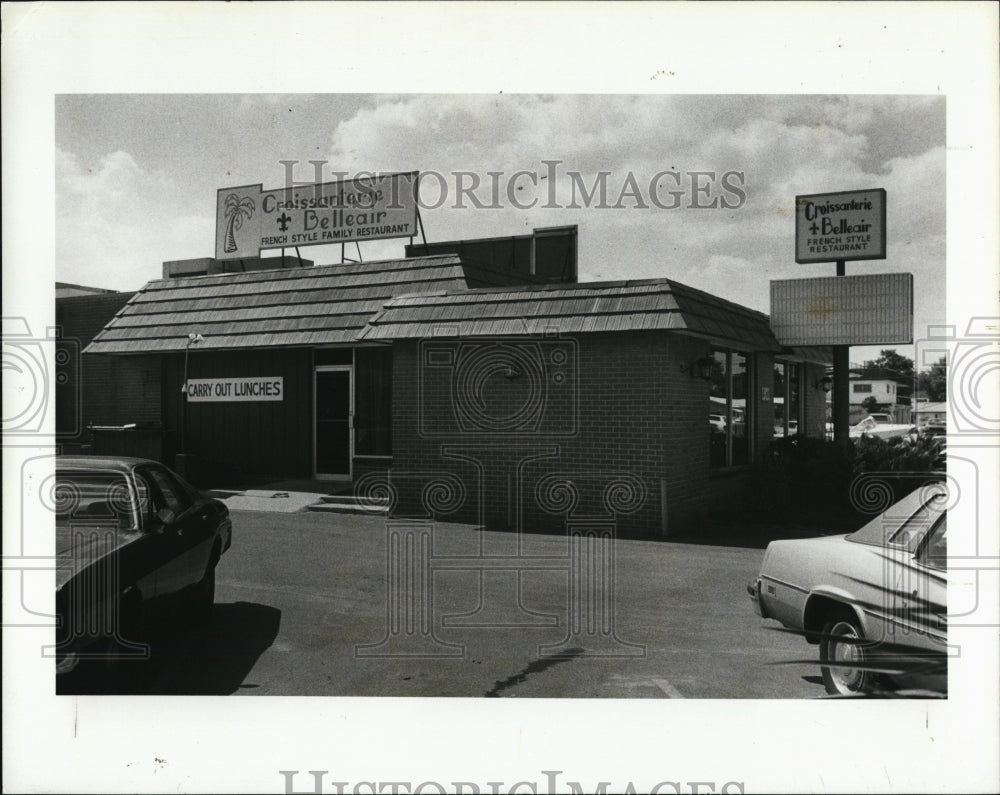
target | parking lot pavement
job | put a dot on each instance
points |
(269, 500)
(308, 604)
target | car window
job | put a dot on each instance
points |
(917, 527)
(94, 498)
(150, 500)
(176, 498)
(935, 551)
(905, 523)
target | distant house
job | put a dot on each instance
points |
(891, 390)
(930, 412)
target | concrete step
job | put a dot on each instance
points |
(348, 503)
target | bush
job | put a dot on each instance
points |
(899, 465)
(802, 477)
(902, 454)
(800, 472)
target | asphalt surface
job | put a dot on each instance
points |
(304, 603)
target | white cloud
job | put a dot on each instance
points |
(115, 219)
(120, 217)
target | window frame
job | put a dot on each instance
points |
(786, 395)
(156, 492)
(749, 412)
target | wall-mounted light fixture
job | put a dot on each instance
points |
(700, 368)
(825, 383)
(193, 339)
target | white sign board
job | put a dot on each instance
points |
(849, 225)
(235, 390)
(874, 309)
(373, 207)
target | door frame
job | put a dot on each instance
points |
(329, 368)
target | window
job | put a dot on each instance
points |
(787, 377)
(93, 498)
(935, 551)
(373, 401)
(174, 497)
(861, 388)
(729, 441)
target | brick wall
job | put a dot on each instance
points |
(619, 422)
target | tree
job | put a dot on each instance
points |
(870, 404)
(890, 360)
(934, 382)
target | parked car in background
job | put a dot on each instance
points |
(870, 426)
(717, 421)
(935, 429)
(133, 542)
(873, 600)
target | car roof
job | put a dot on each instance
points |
(113, 462)
(926, 498)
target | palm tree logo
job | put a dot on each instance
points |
(237, 210)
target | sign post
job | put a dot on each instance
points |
(841, 385)
(841, 226)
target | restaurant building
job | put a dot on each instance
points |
(474, 381)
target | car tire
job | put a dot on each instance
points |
(843, 642)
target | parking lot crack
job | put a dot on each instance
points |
(532, 668)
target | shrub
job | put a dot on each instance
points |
(802, 477)
(902, 454)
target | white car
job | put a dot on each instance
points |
(870, 426)
(873, 600)
(717, 421)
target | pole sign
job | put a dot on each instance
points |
(849, 225)
(235, 390)
(371, 207)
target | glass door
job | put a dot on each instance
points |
(334, 424)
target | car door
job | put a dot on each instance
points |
(186, 542)
(918, 587)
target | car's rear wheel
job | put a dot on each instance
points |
(843, 644)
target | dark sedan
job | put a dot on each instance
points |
(134, 542)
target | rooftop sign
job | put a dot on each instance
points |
(248, 218)
(874, 309)
(849, 225)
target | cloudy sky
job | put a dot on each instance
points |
(137, 175)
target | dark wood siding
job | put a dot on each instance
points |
(246, 438)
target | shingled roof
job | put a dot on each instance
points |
(291, 307)
(654, 304)
(412, 298)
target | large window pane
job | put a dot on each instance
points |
(740, 422)
(794, 381)
(729, 440)
(778, 395)
(373, 401)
